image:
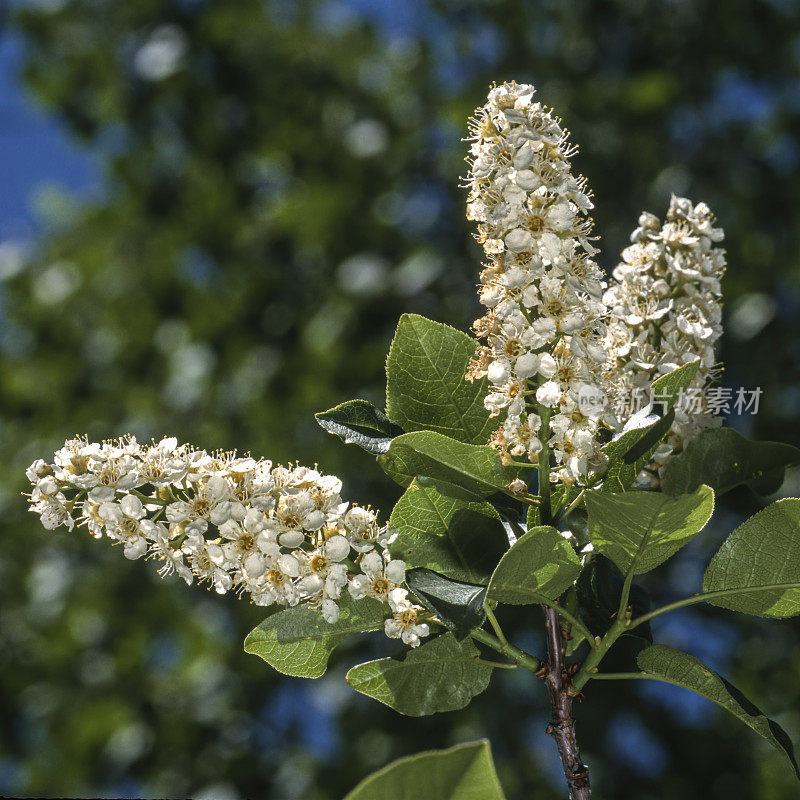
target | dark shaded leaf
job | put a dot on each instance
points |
(723, 459)
(458, 605)
(599, 590)
(359, 422)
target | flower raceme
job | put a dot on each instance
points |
(555, 334)
(283, 535)
(665, 309)
(544, 326)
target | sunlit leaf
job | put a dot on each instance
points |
(461, 539)
(640, 530)
(426, 388)
(673, 666)
(463, 772)
(424, 453)
(542, 564)
(298, 641)
(760, 564)
(442, 674)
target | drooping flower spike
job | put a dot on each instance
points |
(283, 535)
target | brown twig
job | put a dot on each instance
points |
(562, 727)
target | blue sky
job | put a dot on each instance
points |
(36, 151)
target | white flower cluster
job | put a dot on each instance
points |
(665, 310)
(281, 534)
(543, 291)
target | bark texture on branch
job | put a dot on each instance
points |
(562, 727)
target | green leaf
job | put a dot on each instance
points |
(509, 507)
(359, 422)
(448, 489)
(463, 772)
(562, 495)
(578, 524)
(426, 388)
(672, 666)
(760, 563)
(640, 530)
(722, 459)
(441, 675)
(542, 564)
(424, 453)
(599, 591)
(460, 539)
(667, 388)
(458, 605)
(298, 641)
(631, 452)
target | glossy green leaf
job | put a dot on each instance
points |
(461, 539)
(359, 422)
(426, 388)
(442, 674)
(457, 604)
(542, 564)
(666, 389)
(673, 666)
(631, 452)
(424, 453)
(298, 641)
(723, 459)
(463, 772)
(640, 530)
(760, 564)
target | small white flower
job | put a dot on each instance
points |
(330, 611)
(498, 372)
(337, 548)
(547, 365)
(548, 394)
(405, 624)
(519, 240)
(255, 565)
(380, 575)
(526, 366)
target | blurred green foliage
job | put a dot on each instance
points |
(280, 183)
